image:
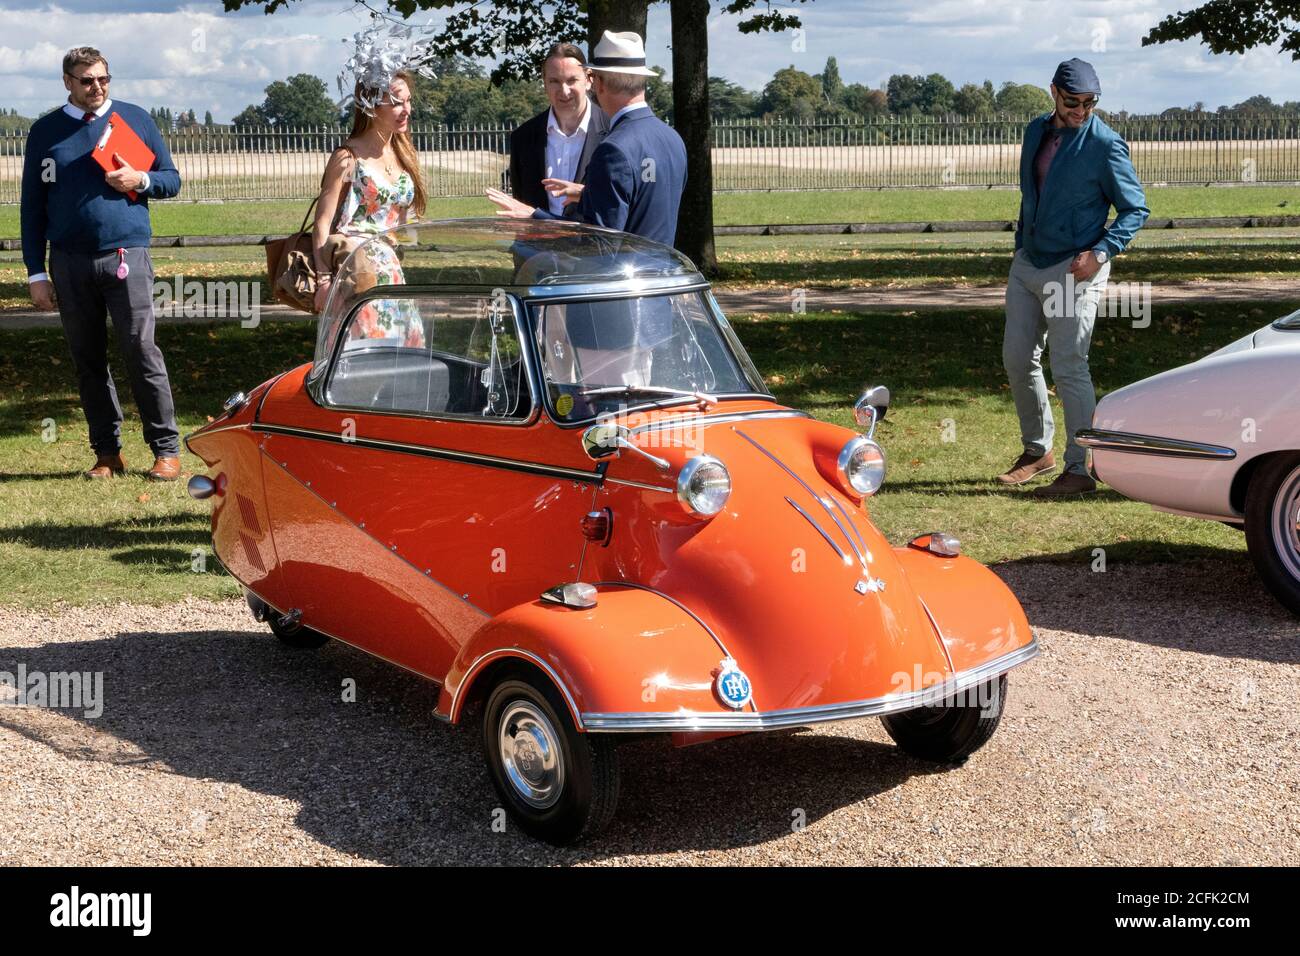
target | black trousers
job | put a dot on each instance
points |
(88, 290)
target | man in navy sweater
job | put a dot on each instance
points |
(98, 240)
(635, 179)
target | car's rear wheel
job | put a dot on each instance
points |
(951, 732)
(559, 785)
(295, 634)
(1273, 527)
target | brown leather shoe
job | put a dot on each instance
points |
(1028, 467)
(107, 466)
(1069, 483)
(165, 469)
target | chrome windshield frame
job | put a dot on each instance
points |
(634, 289)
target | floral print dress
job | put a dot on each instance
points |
(372, 206)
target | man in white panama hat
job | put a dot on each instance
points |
(635, 178)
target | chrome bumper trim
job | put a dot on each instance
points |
(1152, 445)
(686, 720)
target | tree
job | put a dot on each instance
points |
(301, 100)
(864, 101)
(937, 95)
(972, 100)
(791, 92)
(207, 119)
(1023, 99)
(1234, 26)
(832, 85)
(729, 100)
(903, 93)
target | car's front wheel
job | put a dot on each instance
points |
(1273, 527)
(559, 785)
(951, 732)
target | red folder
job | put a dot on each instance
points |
(122, 139)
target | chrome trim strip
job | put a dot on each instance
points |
(938, 632)
(428, 451)
(638, 484)
(816, 497)
(515, 652)
(706, 420)
(861, 542)
(1152, 445)
(687, 720)
(820, 530)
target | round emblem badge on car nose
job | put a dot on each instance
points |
(732, 686)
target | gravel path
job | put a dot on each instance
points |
(1159, 726)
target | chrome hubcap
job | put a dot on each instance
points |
(1286, 523)
(530, 754)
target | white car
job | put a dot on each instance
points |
(1217, 439)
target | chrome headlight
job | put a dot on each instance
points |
(704, 486)
(861, 466)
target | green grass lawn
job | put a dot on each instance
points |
(63, 539)
(896, 205)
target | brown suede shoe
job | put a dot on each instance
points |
(1067, 484)
(165, 469)
(1027, 468)
(107, 466)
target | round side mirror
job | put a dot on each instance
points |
(603, 440)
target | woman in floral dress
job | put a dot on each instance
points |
(371, 184)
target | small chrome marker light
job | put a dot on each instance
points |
(938, 542)
(578, 595)
(201, 486)
(704, 486)
(861, 466)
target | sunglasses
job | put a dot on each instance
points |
(1071, 102)
(89, 81)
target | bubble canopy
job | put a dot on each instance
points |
(529, 257)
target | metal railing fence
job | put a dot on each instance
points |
(226, 163)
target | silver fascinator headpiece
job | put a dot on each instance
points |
(381, 52)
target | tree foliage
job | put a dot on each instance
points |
(1234, 26)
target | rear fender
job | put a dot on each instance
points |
(634, 652)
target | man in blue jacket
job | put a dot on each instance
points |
(1073, 168)
(635, 178)
(98, 238)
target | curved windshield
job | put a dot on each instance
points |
(600, 357)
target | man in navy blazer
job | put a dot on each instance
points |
(557, 143)
(636, 176)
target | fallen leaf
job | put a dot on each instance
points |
(143, 497)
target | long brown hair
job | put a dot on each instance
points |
(407, 157)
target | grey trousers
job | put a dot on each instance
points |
(88, 289)
(1048, 308)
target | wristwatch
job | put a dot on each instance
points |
(1101, 255)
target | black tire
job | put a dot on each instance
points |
(1272, 536)
(571, 804)
(296, 635)
(952, 732)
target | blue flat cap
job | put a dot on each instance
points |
(1077, 76)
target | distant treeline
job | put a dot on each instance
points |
(461, 95)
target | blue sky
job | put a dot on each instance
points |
(194, 55)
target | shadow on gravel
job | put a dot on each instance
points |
(383, 780)
(1209, 605)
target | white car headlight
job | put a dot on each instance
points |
(861, 466)
(704, 486)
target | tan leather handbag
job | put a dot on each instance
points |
(290, 267)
